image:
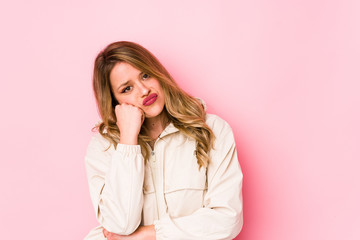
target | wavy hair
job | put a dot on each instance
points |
(184, 111)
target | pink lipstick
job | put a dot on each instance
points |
(150, 99)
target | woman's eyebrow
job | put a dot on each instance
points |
(123, 84)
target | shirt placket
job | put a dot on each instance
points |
(156, 163)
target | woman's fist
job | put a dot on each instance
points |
(129, 120)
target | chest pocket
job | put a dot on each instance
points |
(184, 184)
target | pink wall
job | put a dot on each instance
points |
(284, 74)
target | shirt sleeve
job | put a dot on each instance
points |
(221, 216)
(115, 184)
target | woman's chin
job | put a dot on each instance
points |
(154, 114)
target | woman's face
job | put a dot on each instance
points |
(131, 86)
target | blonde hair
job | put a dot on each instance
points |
(184, 111)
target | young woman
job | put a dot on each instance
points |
(159, 167)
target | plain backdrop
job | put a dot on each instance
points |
(284, 74)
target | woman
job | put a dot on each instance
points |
(159, 166)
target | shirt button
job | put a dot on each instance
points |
(153, 157)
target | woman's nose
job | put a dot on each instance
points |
(144, 90)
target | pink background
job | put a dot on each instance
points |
(285, 75)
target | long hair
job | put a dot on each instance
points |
(184, 111)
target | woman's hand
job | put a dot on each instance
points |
(129, 120)
(142, 233)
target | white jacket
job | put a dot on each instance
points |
(168, 191)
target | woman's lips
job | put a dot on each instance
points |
(150, 99)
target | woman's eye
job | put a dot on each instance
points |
(128, 88)
(145, 76)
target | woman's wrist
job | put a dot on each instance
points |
(128, 140)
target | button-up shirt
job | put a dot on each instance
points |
(169, 190)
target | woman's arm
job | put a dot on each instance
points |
(115, 183)
(221, 216)
(116, 180)
(142, 233)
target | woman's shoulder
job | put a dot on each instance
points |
(99, 142)
(216, 123)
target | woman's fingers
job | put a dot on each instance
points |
(129, 119)
(105, 232)
(112, 236)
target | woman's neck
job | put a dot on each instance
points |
(156, 125)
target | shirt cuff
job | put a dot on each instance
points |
(128, 148)
(158, 230)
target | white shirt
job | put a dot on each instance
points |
(168, 191)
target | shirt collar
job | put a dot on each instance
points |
(169, 130)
